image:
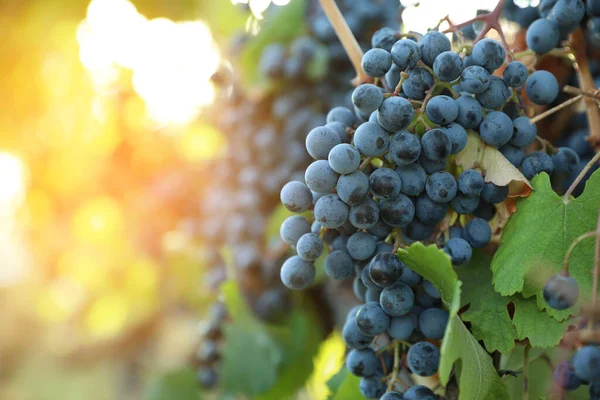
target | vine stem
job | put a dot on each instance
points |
(578, 43)
(577, 240)
(559, 107)
(526, 374)
(580, 177)
(345, 35)
(574, 90)
(390, 386)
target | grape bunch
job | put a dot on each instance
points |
(390, 178)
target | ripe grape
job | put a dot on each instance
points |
(376, 62)
(309, 246)
(536, 163)
(474, 79)
(432, 323)
(457, 135)
(459, 250)
(344, 158)
(496, 129)
(297, 273)
(367, 98)
(401, 328)
(405, 54)
(447, 66)
(561, 292)
(385, 183)
(470, 182)
(419, 81)
(515, 74)
(293, 228)
(432, 45)
(419, 392)
(442, 110)
(405, 148)
(395, 113)
(362, 362)
(524, 132)
(364, 215)
(493, 193)
(489, 54)
(319, 177)
(495, 95)
(296, 196)
(469, 112)
(331, 211)
(397, 299)
(385, 269)
(477, 232)
(542, 87)
(423, 359)
(542, 35)
(320, 141)
(372, 320)
(353, 188)
(361, 245)
(436, 145)
(441, 187)
(587, 363)
(398, 212)
(565, 160)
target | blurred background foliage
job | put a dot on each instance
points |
(102, 150)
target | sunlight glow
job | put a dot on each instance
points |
(429, 12)
(12, 183)
(172, 62)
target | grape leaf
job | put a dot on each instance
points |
(349, 390)
(180, 384)
(537, 236)
(478, 378)
(488, 313)
(537, 326)
(282, 26)
(434, 265)
(496, 167)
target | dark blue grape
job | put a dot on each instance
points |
(418, 82)
(447, 66)
(587, 363)
(344, 158)
(380, 230)
(419, 392)
(495, 95)
(457, 135)
(417, 230)
(309, 246)
(405, 148)
(376, 62)
(367, 98)
(361, 245)
(372, 387)
(477, 232)
(469, 112)
(436, 145)
(542, 87)
(564, 376)
(442, 110)
(593, 6)
(340, 129)
(364, 215)
(392, 78)
(428, 211)
(474, 79)
(331, 211)
(341, 114)
(385, 269)
(362, 362)
(401, 328)
(423, 359)
(432, 323)
(524, 132)
(535, 163)
(459, 250)
(431, 166)
(293, 228)
(561, 292)
(297, 273)
(371, 139)
(296, 196)
(441, 187)
(464, 204)
(372, 320)
(354, 338)
(489, 54)
(395, 113)
(385, 183)
(397, 212)
(392, 396)
(513, 154)
(542, 35)
(515, 74)
(207, 377)
(432, 45)
(384, 38)
(320, 178)
(493, 193)
(405, 54)
(359, 289)
(339, 265)
(496, 129)
(397, 300)
(565, 160)
(470, 182)
(595, 390)
(320, 141)
(353, 188)
(413, 179)
(567, 13)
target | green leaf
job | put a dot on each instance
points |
(537, 326)
(282, 26)
(180, 384)
(478, 379)
(336, 381)
(349, 390)
(237, 308)
(434, 265)
(537, 236)
(223, 17)
(488, 313)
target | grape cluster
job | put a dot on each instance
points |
(389, 178)
(208, 354)
(266, 136)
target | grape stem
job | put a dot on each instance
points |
(396, 368)
(578, 44)
(573, 90)
(526, 373)
(580, 177)
(559, 107)
(577, 240)
(347, 38)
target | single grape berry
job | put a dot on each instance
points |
(339, 265)
(542, 35)
(419, 81)
(423, 359)
(401, 328)
(441, 110)
(405, 148)
(331, 211)
(464, 204)
(367, 98)
(413, 178)
(457, 135)
(469, 112)
(365, 214)
(353, 337)
(542, 87)
(436, 145)
(561, 292)
(405, 54)
(489, 54)
(384, 38)
(432, 45)
(564, 376)
(441, 187)
(385, 269)
(385, 183)
(470, 182)
(370, 138)
(395, 113)
(372, 387)
(432, 323)
(309, 247)
(344, 158)
(515, 74)
(361, 245)
(353, 188)
(319, 177)
(376, 62)
(431, 166)
(474, 79)
(493, 193)
(293, 228)
(447, 66)
(459, 250)
(477, 232)
(342, 115)
(513, 154)
(372, 320)
(320, 141)
(587, 363)
(362, 362)
(397, 300)
(428, 211)
(419, 392)
(524, 132)
(297, 273)
(495, 95)
(296, 196)
(535, 163)
(565, 160)
(397, 212)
